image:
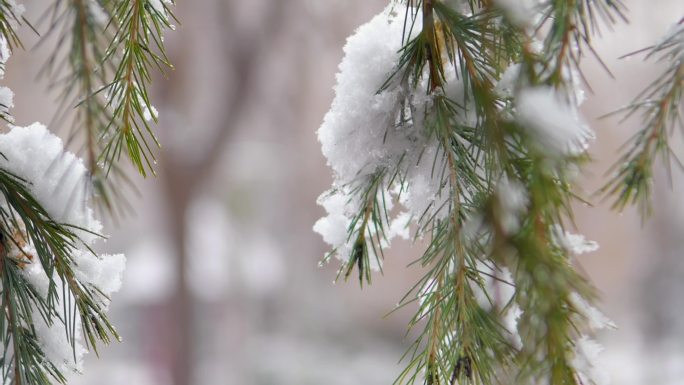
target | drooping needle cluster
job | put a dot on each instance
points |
(54, 289)
(458, 121)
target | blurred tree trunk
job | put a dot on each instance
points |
(183, 175)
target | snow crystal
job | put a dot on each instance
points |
(586, 355)
(510, 321)
(553, 123)
(578, 244)
(426, 194)
(51, 335)
(521, 12)
(596, 320)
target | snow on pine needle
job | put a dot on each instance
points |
(55, 291)
(359, 134)
(554, 123)
(57, 180)
(377, 145)
(362, 141)
(448, 125)
(7, 23)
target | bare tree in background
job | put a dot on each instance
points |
(184, 175)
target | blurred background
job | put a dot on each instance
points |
(222, 284)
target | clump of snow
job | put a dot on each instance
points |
(552, 122)
(596, 320)
(586, 350)
(362, 137)
(586, 353)
(6, 102)
(6, 95)
(400, 226)
(16, 8)
(5, 54)
(371, 130)
(57, 180)
(150, 113)
(425, 192)
(160, 6)
(354, 134)
(512, 198)
(56, 346)
(334, 228)
(100, 271)
(499, 291)
(521, 12)
(578, 244)
(17, 11)
(575, 244)
(507, 83)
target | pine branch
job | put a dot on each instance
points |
(500, 182)
(27, 362)
(108, 50)
(571, 27)
(138, 39)
(80, 53)
(8, 23)
(24, 220)
(366, 230)
(661, 106)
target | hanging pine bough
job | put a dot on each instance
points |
(54, 290)
(108, 50)
(465, 115)
(661, 106)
